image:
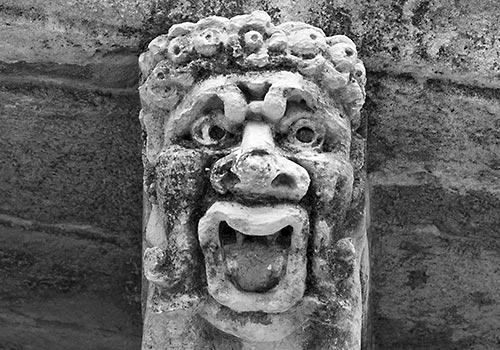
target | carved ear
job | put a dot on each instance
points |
(155, 232)
(146, 64)
(152, 124)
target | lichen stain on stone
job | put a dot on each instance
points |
(31, 14)
(332, 19)
(481, 298)
(448, 210)
(324, 333)
(417, 278)
(420, 12)
(412, 250)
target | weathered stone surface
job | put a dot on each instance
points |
(68, 169)
(447, 131)
(65, 292)
(458, 36)
(91, 41)
(66, 157)
(253, 156)
(437, 281)
(435, 209)
(106, 35)
(78, 322)
(72, 32)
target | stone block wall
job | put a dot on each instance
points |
(70, 178)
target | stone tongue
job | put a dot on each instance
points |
(255, 267)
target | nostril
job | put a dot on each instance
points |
(230, 180)
(283, 180)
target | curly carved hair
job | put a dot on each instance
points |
(216, 45)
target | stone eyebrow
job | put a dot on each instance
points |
(279, 98)
(221, 95)
(229, 98)
(244, 98)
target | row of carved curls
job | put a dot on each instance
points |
(256, 44)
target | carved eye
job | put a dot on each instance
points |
(305, 132)
(206, 132)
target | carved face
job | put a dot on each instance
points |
(255, 232)
(256, 172)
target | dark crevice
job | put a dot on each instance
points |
(285, 237)
(254, 94)
(227, 235)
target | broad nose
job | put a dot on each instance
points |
(256, 170)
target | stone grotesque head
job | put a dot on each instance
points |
(255, 218)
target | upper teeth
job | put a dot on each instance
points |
(239, 237)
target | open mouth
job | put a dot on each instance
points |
(255, 263)
(255, 257)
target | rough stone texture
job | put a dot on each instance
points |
(70, 187)
(254, 155)
(458, 35)
(435, 208)
(450, 48)
(62, 292)
(67, 156)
